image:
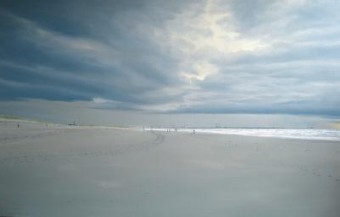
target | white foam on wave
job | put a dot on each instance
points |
(309, 134)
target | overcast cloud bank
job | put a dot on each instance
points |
(175, 57)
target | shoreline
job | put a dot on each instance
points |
(279, 133)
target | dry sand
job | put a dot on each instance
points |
(90, 171)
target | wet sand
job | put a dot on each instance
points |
(95, 171)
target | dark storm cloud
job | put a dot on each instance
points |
(174, 56)
(42, 50)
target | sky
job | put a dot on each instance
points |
(157, 61)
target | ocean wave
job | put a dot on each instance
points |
(309, 134)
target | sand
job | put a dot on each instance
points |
(59, 170)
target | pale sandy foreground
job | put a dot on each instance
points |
(53, 171)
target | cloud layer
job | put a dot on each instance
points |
(174, 56)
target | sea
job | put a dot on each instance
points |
(307, 134)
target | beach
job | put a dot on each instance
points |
(57, 170)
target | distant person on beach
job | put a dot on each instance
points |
(18, 125)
